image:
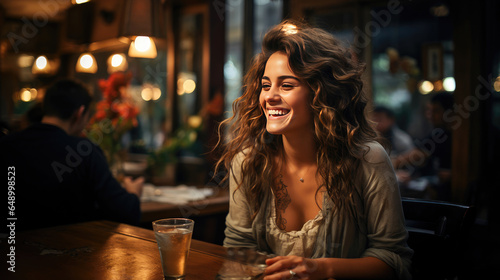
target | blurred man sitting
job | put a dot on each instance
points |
(432, 155)
(400, 141)
(60, 178)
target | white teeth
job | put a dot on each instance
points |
(278, 112)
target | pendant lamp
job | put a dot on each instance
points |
(86, 63)
(142, 21)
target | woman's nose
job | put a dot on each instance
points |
(272, 95)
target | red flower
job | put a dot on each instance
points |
(115, 106)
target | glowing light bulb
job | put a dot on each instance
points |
(142, 46)
(449, 84)
(142, 43)
(41, 62)
(147, 93)
(86, 61)
(116, 60)
(156, 93)
(189, 86)
(25, 95)
(33, 93)
(426, 87)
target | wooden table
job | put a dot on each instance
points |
(209, 215)
(100, 250)
(218, 203)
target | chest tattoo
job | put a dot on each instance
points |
(282, 200)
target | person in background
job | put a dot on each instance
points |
(32, 116)
(431, 156)
(308, 181)
(60, 178)
(400, 141)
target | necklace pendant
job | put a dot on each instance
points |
(301, 180)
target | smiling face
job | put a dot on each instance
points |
(284, 98)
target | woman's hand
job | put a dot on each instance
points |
(301, 268)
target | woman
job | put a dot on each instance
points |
(307, 180)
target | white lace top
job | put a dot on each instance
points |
(299, 243)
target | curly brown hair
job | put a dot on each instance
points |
(341, 129)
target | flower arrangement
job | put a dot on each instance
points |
(115, 115)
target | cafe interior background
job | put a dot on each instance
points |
(180, 65)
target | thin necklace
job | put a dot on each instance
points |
(301, 179)
(282, 163)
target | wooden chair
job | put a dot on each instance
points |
(437, 233)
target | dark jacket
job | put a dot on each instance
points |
(60, 179)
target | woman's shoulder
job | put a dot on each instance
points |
(374, 152)
(375, 171)
(239, 157)
(238, 160)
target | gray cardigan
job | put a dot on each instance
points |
(377, 229)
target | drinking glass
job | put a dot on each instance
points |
(174, 239)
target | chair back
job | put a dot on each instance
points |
(437, 233)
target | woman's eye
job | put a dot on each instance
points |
(266, 87)
(287, 86)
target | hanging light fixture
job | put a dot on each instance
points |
(117, 62)
(41, 65)
(45, 66)
(86, 63)
(142, 21)
(142, 46)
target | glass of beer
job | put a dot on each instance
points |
(174, 239)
